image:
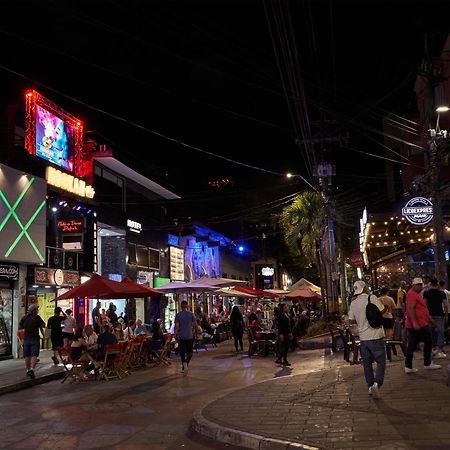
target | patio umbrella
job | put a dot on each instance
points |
(219, 282)
(96, 287)
(255, 292)
(304, 293)
(135, 290)
(229, 292)
(191, 287)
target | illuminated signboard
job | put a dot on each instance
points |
(69, 183)
(70, 225)
(22, 216)
(54, 139)
(53, 134)
(176, 263)
(135, 227)
(418, 211)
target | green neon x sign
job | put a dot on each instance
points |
(12, 212)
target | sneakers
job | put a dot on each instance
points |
(432, 367)
(55, 360)
(277, 361)
(182, 368)
(286, 363)
(30, 373)
(408, 370)
(374, 390)
(440, 355)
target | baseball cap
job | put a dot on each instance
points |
(33, 307)
(417, 281)
(358, 287)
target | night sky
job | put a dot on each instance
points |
(207, 74)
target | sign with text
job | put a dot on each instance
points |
(68, 226)
(418, 211)
(56, 277)
(69, 183)
(9, 272)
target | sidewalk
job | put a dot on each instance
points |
(331, 409)
(13, 374)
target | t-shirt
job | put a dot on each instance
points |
(54, 323)
(31, 323)
(421, 310)
(401, 294)
(435, 299)
(106, 338)
(185, 320)
(358, 312)
(68, 324)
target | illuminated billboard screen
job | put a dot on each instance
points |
(54, 139)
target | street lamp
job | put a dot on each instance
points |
(436, 138)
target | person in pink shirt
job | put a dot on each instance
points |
(418, 327)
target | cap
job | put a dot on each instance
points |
(33, 307)
(358, 287)
(417, 281)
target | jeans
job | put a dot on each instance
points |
(374, 350)
(438, 332)
(424, 334)
(186, 347)
(238, 340)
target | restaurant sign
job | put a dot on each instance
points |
(418, 211)
(56, 277)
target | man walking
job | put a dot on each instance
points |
(372, 344)
(184, 333)
(31, 323)
(418, 327)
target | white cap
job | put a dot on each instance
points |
(417, 281)
(358, 287)
(33, 307)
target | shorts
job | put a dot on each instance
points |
(30, 348)
(57, 341)
(68, 336)
(388, 324)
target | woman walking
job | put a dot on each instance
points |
(284, 335)
(237, 327)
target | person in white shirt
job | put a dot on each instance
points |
(373, 347)
(90, 336)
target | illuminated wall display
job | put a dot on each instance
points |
(70, 225)
(22, 216)
(135, 227)
(176, 263)
(267, 271)
(69, 183)
(53, 134)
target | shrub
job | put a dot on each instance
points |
(318, 327)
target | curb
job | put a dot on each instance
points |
(30, 383)
(245, 439)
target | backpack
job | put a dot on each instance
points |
(373, 314)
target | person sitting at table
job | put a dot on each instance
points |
(141, 328)
(157, 336)
(78, 350)
(118, 332)
(90, 336)
(255, 326)
(105, 338)
(128, 332)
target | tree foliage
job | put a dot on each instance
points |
(302, 223)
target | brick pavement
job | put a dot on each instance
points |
(331, 409)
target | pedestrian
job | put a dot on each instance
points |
(184, 333)
(96, 317)
(32, 322)
(388, 316)
(418, 327)
(69, 328)
(237, 327)
(401, 298)
(285, 335)
(56, 335)
(371, 339)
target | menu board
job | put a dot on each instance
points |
(176, 263)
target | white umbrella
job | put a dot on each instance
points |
(229, 292)
(219, 282)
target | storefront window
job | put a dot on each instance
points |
(6, 311)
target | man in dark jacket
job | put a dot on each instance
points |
(31, 323)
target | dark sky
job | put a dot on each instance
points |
(206, 74)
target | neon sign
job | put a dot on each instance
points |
(69, 183)
(71, 225)
(418, 211)
(136, 227)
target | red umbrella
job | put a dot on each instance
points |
(304, 293)
(138, 290)
(255, 292)
(96, 287)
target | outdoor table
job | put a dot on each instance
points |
(267, 336)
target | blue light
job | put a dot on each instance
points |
(447, 255)
(241, 248)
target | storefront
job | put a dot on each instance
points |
(9, 275)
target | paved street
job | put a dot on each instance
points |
(320, 402)
(150, 409)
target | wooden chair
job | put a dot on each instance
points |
(255, 346)
(136, 359)
(109, 367)
(354, 346)
(161, 355)
(74, 370)
(391, 345)
(123, 365)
